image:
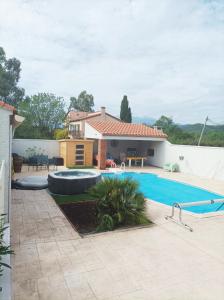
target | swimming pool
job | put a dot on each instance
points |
(168, 191)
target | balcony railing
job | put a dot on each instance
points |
(76, 134)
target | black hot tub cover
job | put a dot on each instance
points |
(31, 183)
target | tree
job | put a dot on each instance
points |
(189, 134)
(129, 115)
(125, 112)
(9, 77)
(43, 114)
(169, 127)
(165, 123)
(84, 102)
(174, 132)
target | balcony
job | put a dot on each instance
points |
(74, 134)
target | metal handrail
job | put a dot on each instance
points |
(2, 170)
(2, 186)
(123, 166)
(188, 204)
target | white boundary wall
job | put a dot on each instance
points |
(198, 160)
(201, 161)
(50, 147)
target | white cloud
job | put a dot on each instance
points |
(166, 55)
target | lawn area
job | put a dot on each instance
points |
(64, 199)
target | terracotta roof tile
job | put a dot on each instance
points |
(108, 128)
(85, 116)
(81, 115)
(76, 115)
(7, 106)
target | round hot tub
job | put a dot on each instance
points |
(72, 182)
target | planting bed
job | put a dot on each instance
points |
(82, 215)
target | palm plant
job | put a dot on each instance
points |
(4, 249)
(118, 203)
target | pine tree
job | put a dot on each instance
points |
(125, 112)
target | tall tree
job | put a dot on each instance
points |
(84, 102)
(174, 132)
(125, 112)
(166, 123)
(43, 114)
(9, 77)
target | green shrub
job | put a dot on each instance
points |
(61, 133)
(4, 249)
(118, 203)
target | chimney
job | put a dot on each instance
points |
(103, 112)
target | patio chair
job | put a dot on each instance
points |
(56, 161)
(32, 162)
(171, 167)
(109, 160)
(38, 161)
(43, 161)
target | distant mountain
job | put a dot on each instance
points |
(145, 120)
(196, 128)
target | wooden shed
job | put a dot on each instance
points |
(77, 152)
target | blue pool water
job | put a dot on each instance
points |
(168, 191)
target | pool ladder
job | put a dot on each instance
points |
(188, 204)
(123, 166)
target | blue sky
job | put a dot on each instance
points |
(167, 55)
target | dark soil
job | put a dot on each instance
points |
(82, 215)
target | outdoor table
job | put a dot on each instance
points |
(130, 158)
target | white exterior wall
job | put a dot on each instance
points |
(5, 154)
(91, 133)
(201, 161)
(160, 153)
(50, 147)
(84, 123)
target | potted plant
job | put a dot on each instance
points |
(17, 163)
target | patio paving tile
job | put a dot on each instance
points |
(26, 288)
(53, 287)
(102, 283)
(70, 267)
(79, 287)
(160, 262)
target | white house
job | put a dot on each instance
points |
(77, 119)
(113, 138)
(8, 122)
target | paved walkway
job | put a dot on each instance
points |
(160, 262)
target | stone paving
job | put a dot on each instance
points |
(160, 262)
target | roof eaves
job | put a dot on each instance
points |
(132, 135)
(7, 106)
